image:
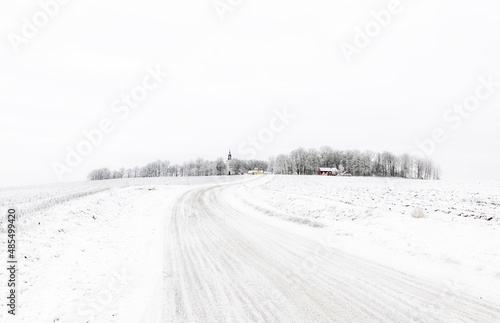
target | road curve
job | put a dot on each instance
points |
(226, 264)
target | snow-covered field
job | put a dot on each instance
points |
(460, 227)
(256, 248)
(90, 250)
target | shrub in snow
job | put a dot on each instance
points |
(418, 213)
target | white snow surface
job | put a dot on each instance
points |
(460, 228)
(256, 248)
(90, 251)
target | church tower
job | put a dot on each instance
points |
(229, 169)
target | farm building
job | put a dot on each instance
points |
(256, 172)
(328, 171)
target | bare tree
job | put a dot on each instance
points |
(116, 174)
(99, 174)
(220, 166)
(299, 160)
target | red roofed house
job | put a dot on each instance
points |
(328, 171)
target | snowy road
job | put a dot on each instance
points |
(227, 262)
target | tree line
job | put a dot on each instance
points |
(385, 164)
(299, 161)
(163, 168)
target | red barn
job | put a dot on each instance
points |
(328, 171)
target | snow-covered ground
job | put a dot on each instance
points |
(90, 250)
(460, 227)
(256, 248)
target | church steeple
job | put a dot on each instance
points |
(228, 164)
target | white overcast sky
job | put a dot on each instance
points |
(227, 76)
